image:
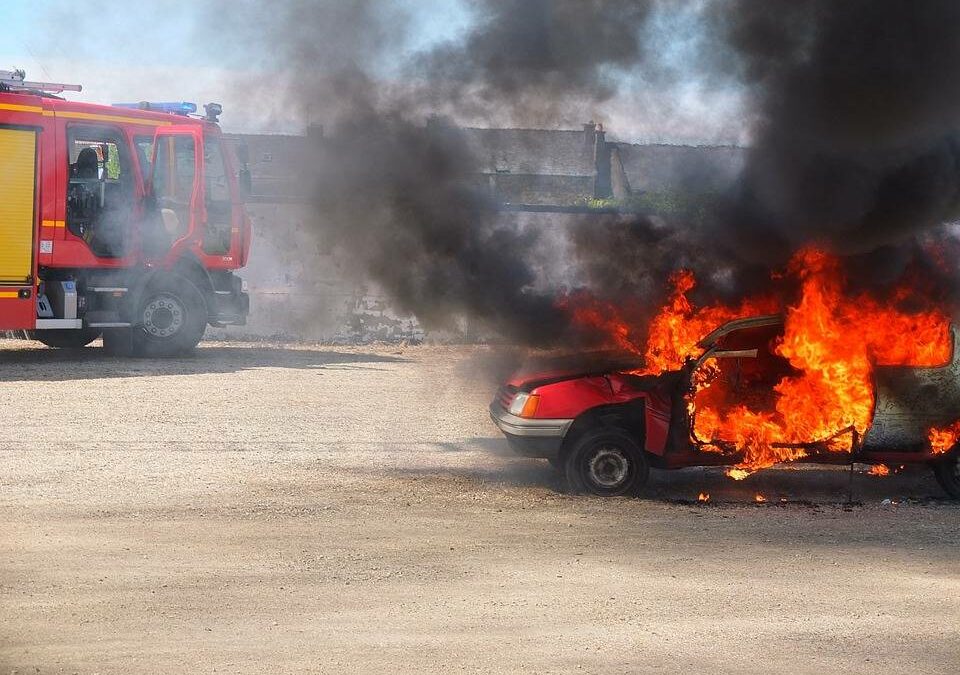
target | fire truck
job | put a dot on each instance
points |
(121, 221)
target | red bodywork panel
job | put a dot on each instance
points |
(570, 398)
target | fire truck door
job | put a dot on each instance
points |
(176, 182)
(18, 200)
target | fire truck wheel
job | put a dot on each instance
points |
(171, 318)
(66, 339)
(606, 462)
(947, 471)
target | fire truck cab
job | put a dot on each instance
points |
(121, 221)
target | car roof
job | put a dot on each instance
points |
(739, 324)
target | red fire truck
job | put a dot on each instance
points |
(123, 221)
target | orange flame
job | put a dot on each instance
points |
(677, 329)
(703, 497)
(942, 439)
(831, 340)
(759, 498)
(879, 470)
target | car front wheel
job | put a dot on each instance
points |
(607, 462)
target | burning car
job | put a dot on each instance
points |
(605, 425)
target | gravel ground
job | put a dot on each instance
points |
(277, 508)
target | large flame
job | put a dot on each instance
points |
(831, 339)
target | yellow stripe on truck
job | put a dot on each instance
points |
(18, 154)
(16, 107)
(108, 118)
(9, 294)
(97, 117)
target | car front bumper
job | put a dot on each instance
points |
(531, 437)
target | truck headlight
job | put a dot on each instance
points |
(524, 404)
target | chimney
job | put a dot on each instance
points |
(589, 137)
(601, 162)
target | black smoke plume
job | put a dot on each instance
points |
(858, 104)
(399, 198)
(853, 110)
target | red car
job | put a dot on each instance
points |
(604, 427)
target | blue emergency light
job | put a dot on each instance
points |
(174, 107)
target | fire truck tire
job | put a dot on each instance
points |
(606, 462)
(171, 318)
(66, 339)
(947, 471)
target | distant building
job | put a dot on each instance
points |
(682, 168)
(542, 166)
(538, 167)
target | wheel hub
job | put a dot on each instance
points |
(609, 467)
(163, 316)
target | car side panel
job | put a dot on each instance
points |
(570, 399)
(909, 401)
(657, 417)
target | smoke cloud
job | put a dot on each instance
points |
(394, 195)
(858, 104)
(851, 112)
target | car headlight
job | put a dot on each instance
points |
(524, 404)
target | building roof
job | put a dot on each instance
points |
(702, 168)
(545, 152)
(277, 162)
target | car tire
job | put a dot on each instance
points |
(606, 462)
(947, 471)
(65, 338)
(171, 318)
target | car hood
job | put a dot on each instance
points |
(539, 371)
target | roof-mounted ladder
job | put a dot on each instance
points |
(15, 80)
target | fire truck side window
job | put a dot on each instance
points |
(100, 190)
(173, 177)
(144, 145)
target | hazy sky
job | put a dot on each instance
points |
(153, 50)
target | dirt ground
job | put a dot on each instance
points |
(287, 509)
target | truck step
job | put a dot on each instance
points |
(105, 319)
(109, 324)
(59, 324)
